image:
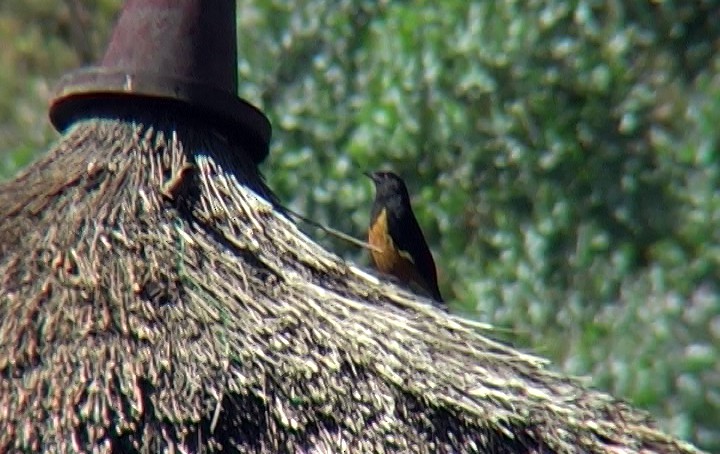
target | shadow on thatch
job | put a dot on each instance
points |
(152, 299)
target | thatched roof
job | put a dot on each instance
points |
(151, 298)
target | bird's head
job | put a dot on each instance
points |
(387, 184)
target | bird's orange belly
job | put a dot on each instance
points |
(387, 258)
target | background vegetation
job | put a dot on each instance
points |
(563, 155)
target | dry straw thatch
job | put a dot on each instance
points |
(151, 299)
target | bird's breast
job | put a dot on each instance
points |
(386, 256)
(383, 256)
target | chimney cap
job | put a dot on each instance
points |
(178, 51)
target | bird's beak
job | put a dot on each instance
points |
(369, 175)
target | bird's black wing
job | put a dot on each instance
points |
(409, 239)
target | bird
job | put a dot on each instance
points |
(398, 245)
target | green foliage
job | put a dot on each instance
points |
(562, 155)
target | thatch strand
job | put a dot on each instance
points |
(153, 299)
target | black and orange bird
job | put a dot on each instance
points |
(399, 245)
